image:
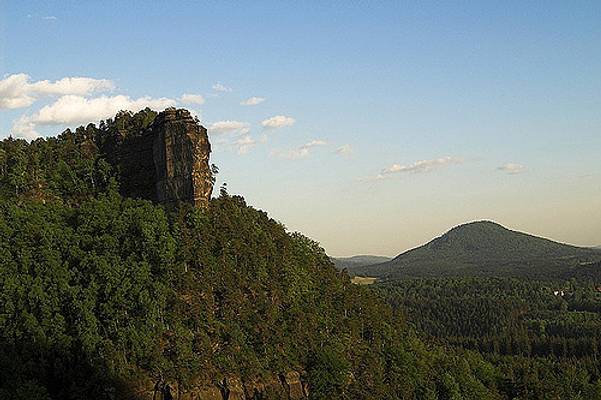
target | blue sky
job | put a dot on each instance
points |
(396, 120)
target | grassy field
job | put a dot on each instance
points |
(363, 280)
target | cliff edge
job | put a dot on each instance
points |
(165, 160)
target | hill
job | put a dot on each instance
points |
(484, 248)
(358, 261)
(108, 291)
(113, 288)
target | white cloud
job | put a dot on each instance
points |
(17, 90)
(14, 92)
(222, 127)
(218, 87)
(192, 99)
(420, 166)
(76, 85)
(50, 17)
(316, 142)
(244, 144)
(346, 150)
(278, 121)
(512, 168)
(300, 152)
(72, 110)
(252, 101)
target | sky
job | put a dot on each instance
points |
(370, 127)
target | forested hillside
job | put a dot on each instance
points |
(104, 296)
(73, 166)
(485, 248)
(546, 335)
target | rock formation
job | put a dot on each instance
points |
(286, 386)
(181, 152)
(167, 162)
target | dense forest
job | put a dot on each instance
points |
(543, 336)
(75, 165)
(101, 294)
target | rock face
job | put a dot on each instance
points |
(181, 152)
(168, 162)
(287, 386)
(296, 390)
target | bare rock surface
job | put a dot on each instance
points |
(168, 162)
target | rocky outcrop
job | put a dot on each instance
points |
(166, 162)
(283, 387)
(296, 389)
(181, 152)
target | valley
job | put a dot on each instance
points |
(529, 306)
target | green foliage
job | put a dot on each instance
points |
(95, 296)
(99, 292)
(84, 285)
(72, 167)
(540, 338)
(485, 249)
(328, 372)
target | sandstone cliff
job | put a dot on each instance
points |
(283, 387)
(166, 162)
(181, 152)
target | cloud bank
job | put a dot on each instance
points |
(223, 127)
(192, 99)
(18, 91)
(418, 167)
(72, 110)
(278, 121)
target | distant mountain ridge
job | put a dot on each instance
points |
(484, 248)
(358, 261)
